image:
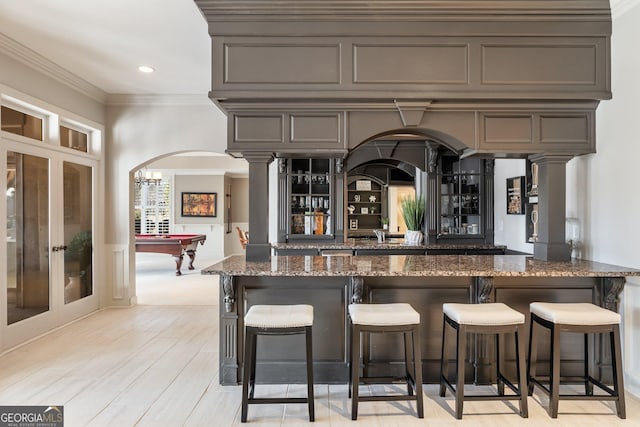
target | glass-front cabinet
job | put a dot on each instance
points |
(310, 192)
(463, 199)
(309, 199)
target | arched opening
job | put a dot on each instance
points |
(183, 214)
(406, 164)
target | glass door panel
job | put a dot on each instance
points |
(28, 288)
(78, 231)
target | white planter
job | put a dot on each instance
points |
(413, 237)
(72, 289)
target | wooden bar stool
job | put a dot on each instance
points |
(383, 318)
(493, 318)
(275, 320)
(583, 318)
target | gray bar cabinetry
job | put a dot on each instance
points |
(330, 283)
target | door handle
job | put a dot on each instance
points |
(58, 248)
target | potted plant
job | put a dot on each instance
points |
(413, 215)
(80, 251)
(385, 223)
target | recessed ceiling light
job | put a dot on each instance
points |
(146, 69)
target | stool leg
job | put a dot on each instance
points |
(520, 367)
(355, 370)
(460, 351)
(310, 396)
(499, 364)
(350, 361)
(408, 374)
(252, 364)
(618, 377)
(248, 348)
(533, 351)
(444, 362)
(554, 397)
(417, 369)
(588, 387)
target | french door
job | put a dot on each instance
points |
(50, 240)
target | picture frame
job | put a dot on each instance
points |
(515, 195)
(353, 224)
(199, 204)
(364, 211)
(363, 185)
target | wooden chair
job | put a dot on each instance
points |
(244, 238)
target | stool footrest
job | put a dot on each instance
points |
(491, 397)
(487, 397)
(386, 380)
(267, 400)
(590, 379)
(386, 397)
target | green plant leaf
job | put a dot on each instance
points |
(413, 212)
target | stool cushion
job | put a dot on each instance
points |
(279, 316)
(574, 313)
(395, 314)
(496, 314)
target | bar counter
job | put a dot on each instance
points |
(391, 246)
(331, 283)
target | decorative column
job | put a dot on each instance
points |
(484, 360)
(432, 195)
(258, 248)
(552, 177)
(228, 360)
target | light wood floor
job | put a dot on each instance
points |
(156, 365)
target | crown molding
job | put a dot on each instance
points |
(34, 60)
(157, 99)
(621, 7)
(220, 10)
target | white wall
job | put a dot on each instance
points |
(603, 190)
(20, 77)
(138, 135)
(509, 229)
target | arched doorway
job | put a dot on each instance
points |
(159, 209)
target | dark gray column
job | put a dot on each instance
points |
(552, 177)
(258, 248)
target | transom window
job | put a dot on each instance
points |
(20, 123)
(73, 138)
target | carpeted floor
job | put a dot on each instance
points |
(157, 284)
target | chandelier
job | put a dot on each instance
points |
(145, 177)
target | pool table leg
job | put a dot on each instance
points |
(178, 259)
(192, 256)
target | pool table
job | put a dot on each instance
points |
(173, 244)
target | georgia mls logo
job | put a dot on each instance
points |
(31, 416)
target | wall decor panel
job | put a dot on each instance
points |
(564, 129)
(410, 63)
(258, 129)
(316, 129)
(539, 64)
(281, 63)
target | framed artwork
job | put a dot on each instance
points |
(364, 211)
(199, 204)
(353, 224)
(363, 185)
(515, 195)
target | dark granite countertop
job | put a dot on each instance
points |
(388, 244)
(416, 265)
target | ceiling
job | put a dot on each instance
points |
(104, 42)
